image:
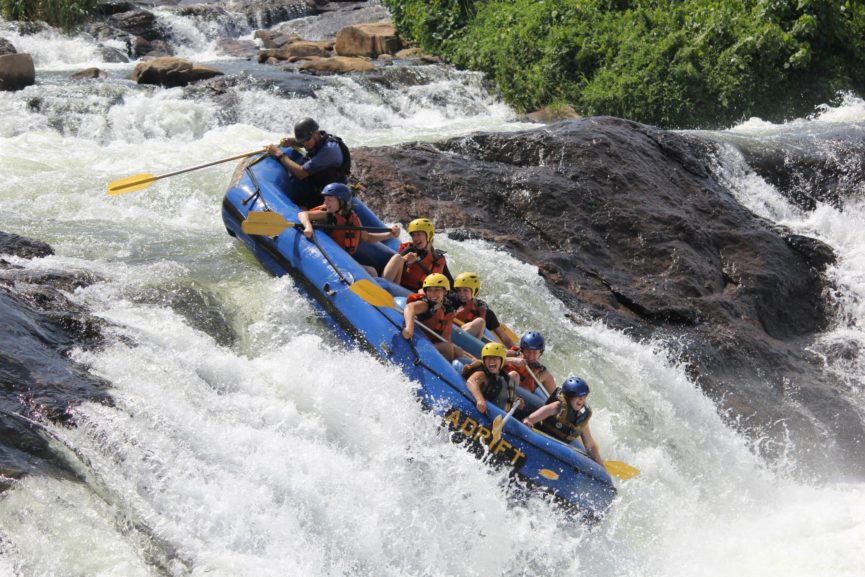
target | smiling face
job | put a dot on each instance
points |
(331, 203)
(577, 403)
(531, 355)
(435, 293)
(418, 239)
(493, 364)
(464, 294)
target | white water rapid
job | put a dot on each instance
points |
(282, 453)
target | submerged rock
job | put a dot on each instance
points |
(37, 379)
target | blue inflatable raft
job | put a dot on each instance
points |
(338, 285)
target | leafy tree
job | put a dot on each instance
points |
(676, 63)
(63, 13)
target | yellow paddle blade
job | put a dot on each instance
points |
(130, 184)
(265, 223)
(621, 470)
(498, 425)
(266, 217)
(372, 293)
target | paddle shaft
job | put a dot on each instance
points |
(142, 181)
(206, 164)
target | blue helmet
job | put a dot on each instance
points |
(532, 340)
(575, 387)
(339, 190)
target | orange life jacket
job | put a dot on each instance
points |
(475, 308)
(413, 274)
(347, 239)
(437, 318)
(526, 380)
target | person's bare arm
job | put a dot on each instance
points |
(590, 445)
(542, 413)
(409, 313)
(474, 386)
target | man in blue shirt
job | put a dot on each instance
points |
(327, 160)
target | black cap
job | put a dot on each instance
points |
(304, 129)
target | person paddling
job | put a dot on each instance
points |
(566, 416)
(431, 308)
(417, 259)
(337, 211)
(474, 313)
(527, 361)
(487, 380)
(327, 160)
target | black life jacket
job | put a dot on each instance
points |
(566, 425)
(335, 173)
(493, 385)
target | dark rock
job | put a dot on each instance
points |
(6, 47)
(112, 55)
(23, 247)
(16, 72)
(628, 225)
(37, 379)
(112, 7)
(154, 49)
(816, 253)
(139, 23)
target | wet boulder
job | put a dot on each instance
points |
(368, 40)
(138, 23)
(335, 65)
(297, 50)
(16, 71)
(89, 74)
(171, 72)
(6, 47)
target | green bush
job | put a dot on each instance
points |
(675, 63)
(62, 13)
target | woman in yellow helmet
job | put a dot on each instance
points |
(487, 380)
(436, 312)
(475, 313)
(417, 259)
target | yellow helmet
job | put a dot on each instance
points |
(468, 280)
(422, 225)
(437, 279)
(494, 350)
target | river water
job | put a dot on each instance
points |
(270, 449)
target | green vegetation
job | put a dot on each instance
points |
(674, 63)
(62, 13)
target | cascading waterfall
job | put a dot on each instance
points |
(277, 451)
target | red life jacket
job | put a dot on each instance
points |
(475, 308)
(414, 273)
(526, 380)
(347, 239)
(440, 319)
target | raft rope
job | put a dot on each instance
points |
(257, 193)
